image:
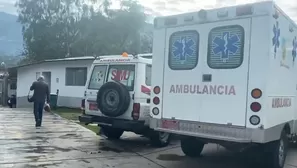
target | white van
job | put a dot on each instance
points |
(227, 76)
(117, 97)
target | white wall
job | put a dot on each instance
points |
(26, 75)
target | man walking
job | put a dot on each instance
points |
(41, 93)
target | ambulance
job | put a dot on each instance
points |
(227, 76)
(117, 97)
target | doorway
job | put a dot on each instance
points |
(47, 79)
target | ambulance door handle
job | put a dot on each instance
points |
(206, 78)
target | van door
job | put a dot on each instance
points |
(123, 73)
(96, 80)
(206, 72)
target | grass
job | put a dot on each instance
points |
(72, 114)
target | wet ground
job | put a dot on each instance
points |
(63, 144)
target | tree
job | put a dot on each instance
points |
(60, 28)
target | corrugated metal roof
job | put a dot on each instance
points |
(58, 60)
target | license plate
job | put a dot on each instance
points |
(170, 124)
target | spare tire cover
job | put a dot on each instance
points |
(113, 99)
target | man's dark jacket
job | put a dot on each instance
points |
(41, 91)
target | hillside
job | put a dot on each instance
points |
(11, 40)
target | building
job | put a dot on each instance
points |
(66, 76)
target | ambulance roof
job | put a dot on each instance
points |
(140, 58)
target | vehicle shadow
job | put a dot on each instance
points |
(213, 156)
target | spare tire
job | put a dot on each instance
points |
(113, 99)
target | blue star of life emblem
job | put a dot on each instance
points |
(226, 45)
(275, 39)
(183, 47)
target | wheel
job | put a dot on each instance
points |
(160, 139)
(191, 146)
(112, 133)
(113, 99)
(276, 152)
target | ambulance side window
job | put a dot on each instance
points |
(225, 47)
(148, 74)
(183, 50)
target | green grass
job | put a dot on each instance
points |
(72, 114)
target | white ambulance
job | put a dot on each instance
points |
(117, 97)
(227, 76)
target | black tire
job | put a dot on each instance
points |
(160, 139)
(113, 99)
(191, 146)
(276, 151)
(112, 133)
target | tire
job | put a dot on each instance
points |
(160, 139)
(112, 133)
(276, 152)
(113, 99)
(191, 146)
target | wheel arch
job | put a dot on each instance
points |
(287, 128)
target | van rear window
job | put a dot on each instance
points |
(225, 47)
(97, 77)
(124, 74)
(183, 50)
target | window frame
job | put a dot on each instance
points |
(209, 43)
(170, 49)
(146, 66)
(105, 74)
(130, 89)
(76, 68)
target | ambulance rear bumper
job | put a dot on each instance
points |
(216, 131)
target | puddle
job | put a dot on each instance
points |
(170, 157)
(109, 149)
(44, 149)
(67, 136)
(34, 158)
(85, 161)
(45, 165)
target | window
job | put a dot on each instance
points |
(148, 75)
(13, 86)
(225, 47)
(97, 77)
(124, 74)
(76, 76)
(37, 75)
(183, 50)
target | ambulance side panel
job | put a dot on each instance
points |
(260, 43)
(141, 92)
(280, 92)
(158, 64)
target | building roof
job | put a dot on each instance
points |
(59, 60)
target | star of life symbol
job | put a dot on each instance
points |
(183, 47)
(100, 76)
(275, 39)
(226, 45)
(294, 49)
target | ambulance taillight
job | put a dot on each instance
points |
(255, 107)
(157, 90)
(256, 93)
(136, 111)
(156, 100)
